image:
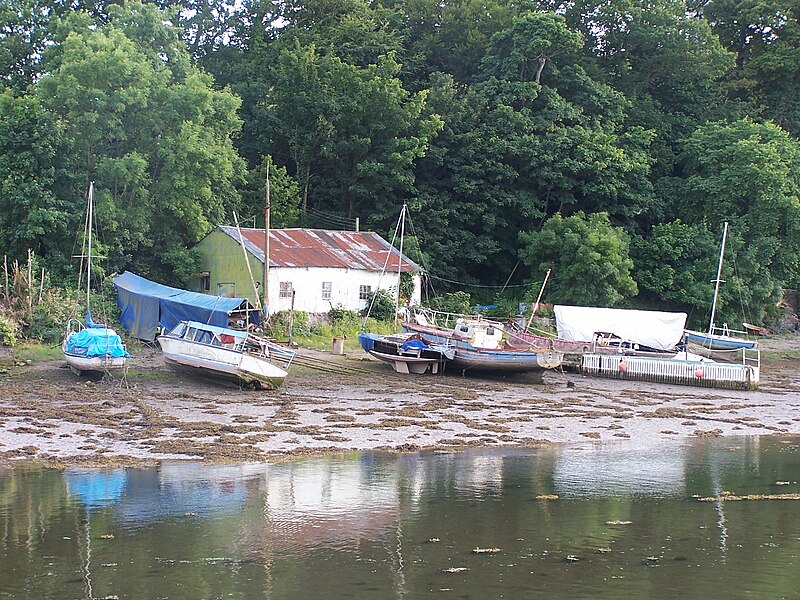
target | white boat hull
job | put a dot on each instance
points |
(224, 363)
(100, 364)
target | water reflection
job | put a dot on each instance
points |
(405, 526)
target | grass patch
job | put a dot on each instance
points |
(37, 352)
(773, 356)
(321, 337)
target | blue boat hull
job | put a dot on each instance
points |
(468, 356)
(719, 342)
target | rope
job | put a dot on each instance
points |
(745, 316)
(478, 285)
(326, 366)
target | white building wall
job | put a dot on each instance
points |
(345, 288)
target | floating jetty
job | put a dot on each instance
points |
(737, 376)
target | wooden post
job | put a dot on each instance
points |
(5, 268)
(30, 286)
(536, 306)
(291, 318)
(41, 287)
(247, 264)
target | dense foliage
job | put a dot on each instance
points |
(607, 141)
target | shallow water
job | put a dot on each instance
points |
(625, 524)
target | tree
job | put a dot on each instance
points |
(446, 37)
(588, 257)
(747, 173)
(26, 29)
(356, 31)
(36, 211)
(674, 266)
(663, 59)
(521, 52)
(356, 130)
(151, 132)
(514, 152)
(765, 37)
(284, 195)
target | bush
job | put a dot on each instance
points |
(455, 302)
(504, 308)
(339, 317)
(279, 324)
(50, 316)
(406, 286)
(8, 331)
(380, 306)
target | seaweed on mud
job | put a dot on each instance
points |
(155, 417)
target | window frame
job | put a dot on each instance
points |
(285, 289)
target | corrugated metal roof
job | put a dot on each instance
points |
(364, 250)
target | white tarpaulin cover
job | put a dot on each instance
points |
(659, 330)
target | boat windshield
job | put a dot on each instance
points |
(178, 330)
(203, 336)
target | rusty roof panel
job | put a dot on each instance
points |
(364, 250)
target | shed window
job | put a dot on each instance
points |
(286, 289)
(326, 290)
(205, 281)
(364, 292)
(226, 289)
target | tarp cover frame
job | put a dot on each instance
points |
(146, 305)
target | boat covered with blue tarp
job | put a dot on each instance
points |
(95, 341)
(146, 305)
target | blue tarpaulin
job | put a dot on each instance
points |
(145, 306)
(97, 341)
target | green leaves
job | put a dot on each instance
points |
(150, 130)
(356, 127)
(522, 51)
(487, 117)
(34, 214)
(747, 173)
(588, 257)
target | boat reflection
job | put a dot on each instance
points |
(368, 525)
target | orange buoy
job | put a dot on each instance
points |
(623, 366)
(698, 373)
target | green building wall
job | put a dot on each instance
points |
(223, 259)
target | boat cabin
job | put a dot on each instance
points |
(479, 333)
(206, 334)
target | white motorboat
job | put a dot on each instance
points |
(228, 354)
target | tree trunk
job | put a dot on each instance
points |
(542, 61)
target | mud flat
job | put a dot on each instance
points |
(152, 414)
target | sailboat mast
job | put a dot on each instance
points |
(538, 299)
(400, 261)
(89, 246)
(266, 247)
(718, 280)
